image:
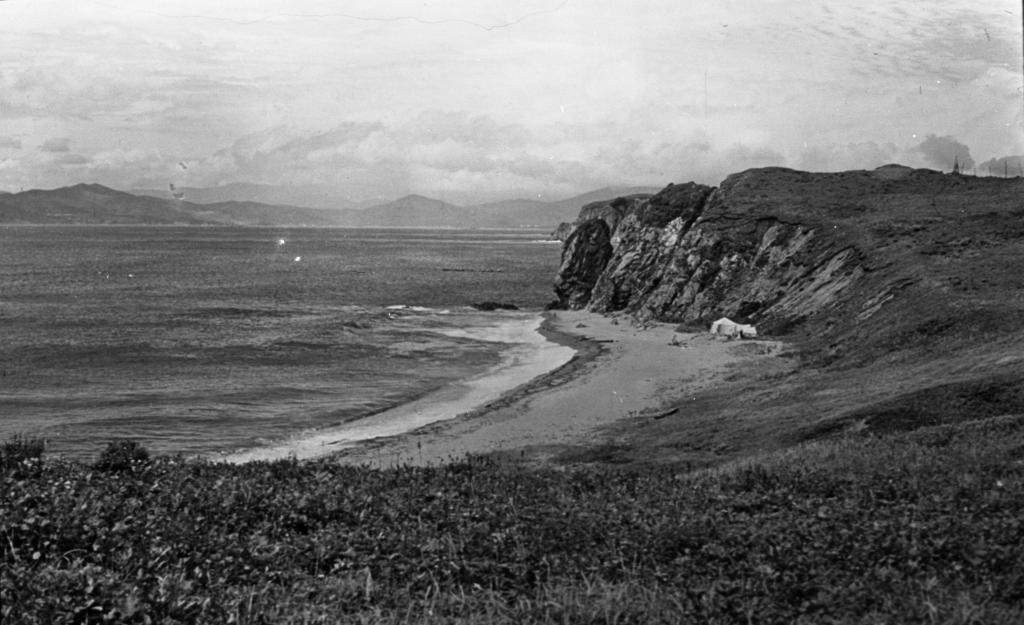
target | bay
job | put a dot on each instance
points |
(201, 340)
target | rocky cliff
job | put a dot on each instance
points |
(789, 249)
(610, 212)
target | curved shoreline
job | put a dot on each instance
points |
(587, 351)
(620, 371)
(535, 352)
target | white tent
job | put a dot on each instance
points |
(729, 328)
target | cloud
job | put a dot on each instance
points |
(10, 142)
(432, 151)
(465, 128)
(1004, 165)
(943, 152)
(745, 156)
(57, 144)
(854, 155)
(429, 99)
(468, 158)
(71, 159)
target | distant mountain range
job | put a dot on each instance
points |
(97, 204)
(309, 196)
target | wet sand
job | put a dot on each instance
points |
(620, 371)
(530, 355)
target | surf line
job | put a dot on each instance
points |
(529, 356)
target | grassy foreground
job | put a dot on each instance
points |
(922, 527)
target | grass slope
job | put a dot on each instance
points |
(932, 332)
(921, 527)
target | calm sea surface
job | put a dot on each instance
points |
(200, 340)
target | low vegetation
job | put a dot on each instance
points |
(122, 455)
(919, 527)
(21, 453)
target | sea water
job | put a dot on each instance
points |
(219, 340)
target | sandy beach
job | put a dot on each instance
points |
(528, 355)
(620, 370)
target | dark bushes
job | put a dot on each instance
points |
(21, 450)
(921, 527)
(122, 455)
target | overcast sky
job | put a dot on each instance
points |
(482, 99)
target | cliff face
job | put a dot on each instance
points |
(694, 253)
(899, 291)
(610, 212)
(784, 248)
(584, 257)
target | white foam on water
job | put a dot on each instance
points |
(529, 356)
(418, 309)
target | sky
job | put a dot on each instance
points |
(474, 100)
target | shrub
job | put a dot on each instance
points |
(20, 448)
(122, 455)
(921, 527)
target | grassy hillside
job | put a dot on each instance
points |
(925, 527)
(923, 326)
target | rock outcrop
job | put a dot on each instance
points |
(610, 212)
(584, 257)
(562, 232)
(899, 293)
(776, 247)
(693, 253)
